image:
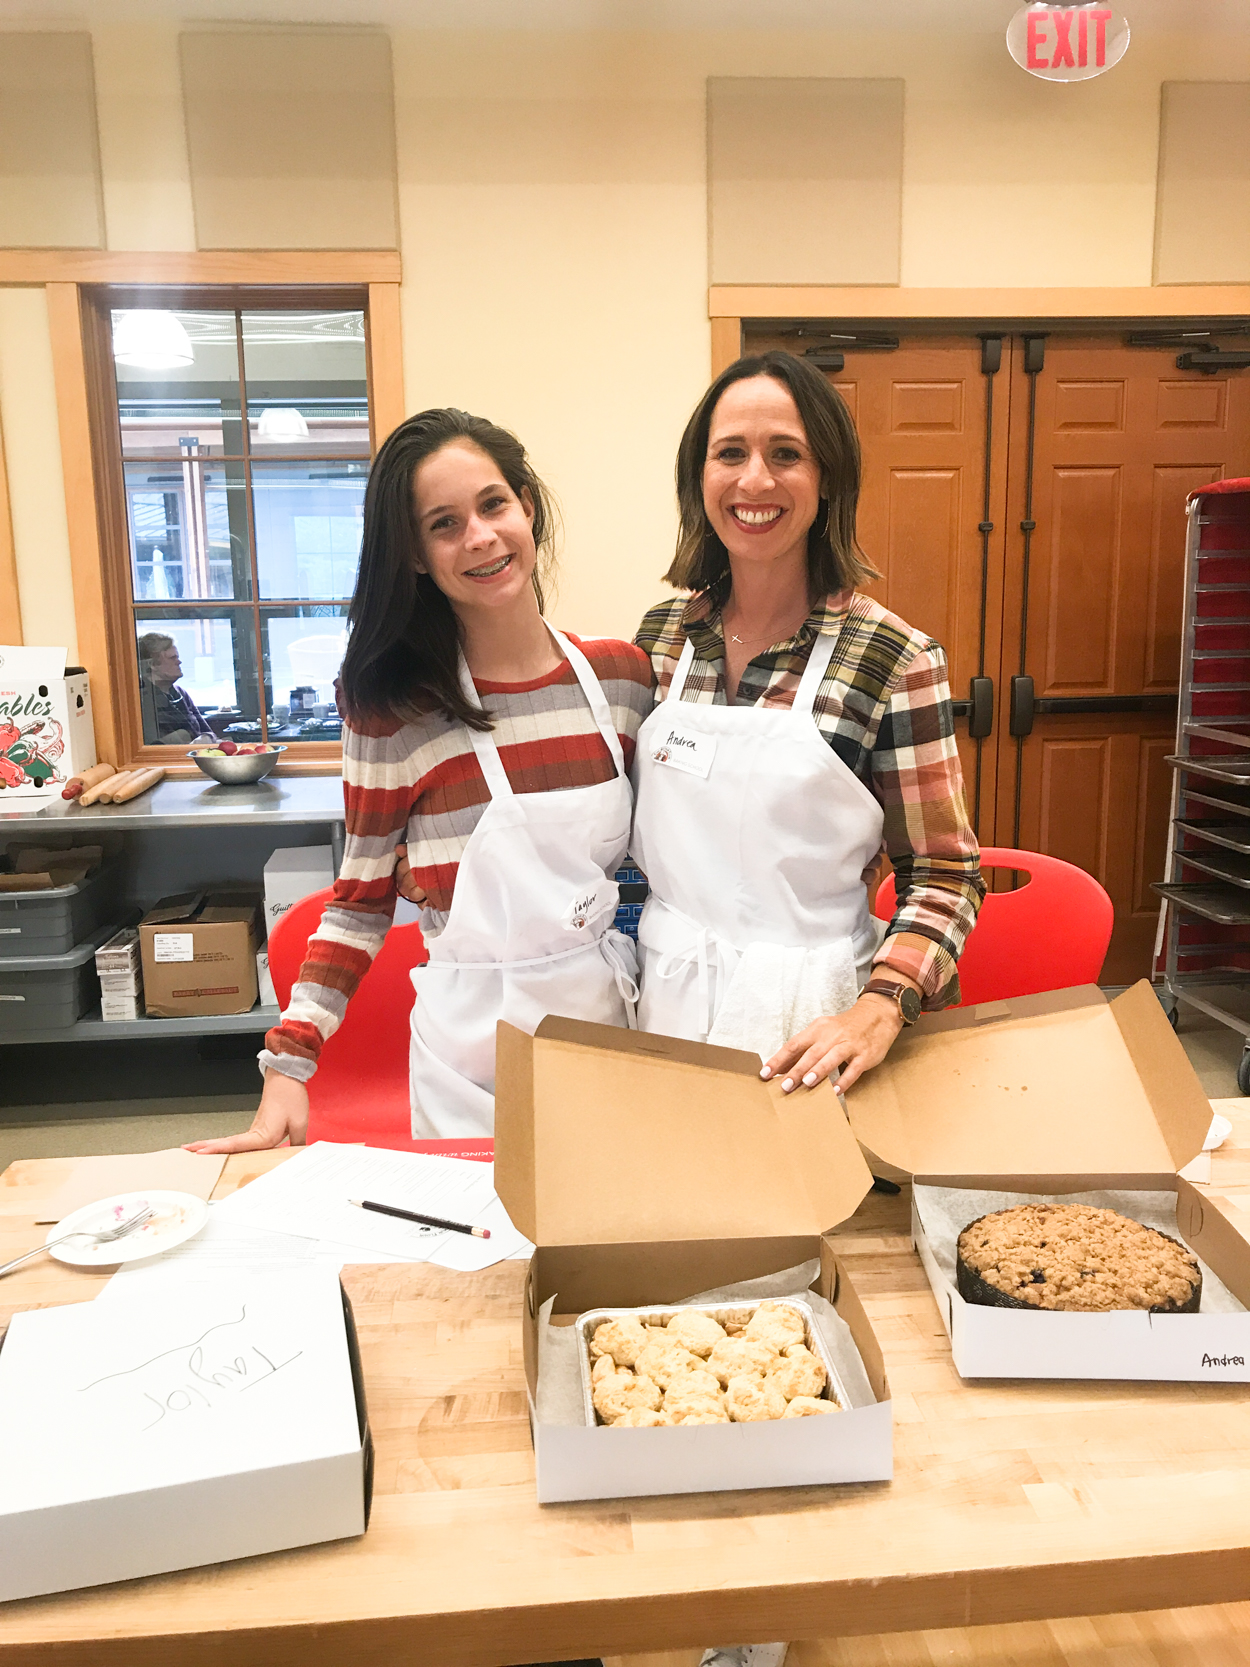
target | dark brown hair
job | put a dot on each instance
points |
(834, 558)
(403, 653)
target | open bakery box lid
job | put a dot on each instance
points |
(607, 1136)
(1065, 1083)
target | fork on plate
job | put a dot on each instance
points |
(105, 1236)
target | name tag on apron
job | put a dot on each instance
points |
(585, 910)
(682, 751)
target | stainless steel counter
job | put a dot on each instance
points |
(289, 800)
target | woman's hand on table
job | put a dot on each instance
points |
(283, 1115)
(408, 887)
(841, 1045)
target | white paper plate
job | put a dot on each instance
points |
(176, 1217)
(1218, 1133)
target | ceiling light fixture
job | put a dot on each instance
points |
(148, 339)
(281, 425)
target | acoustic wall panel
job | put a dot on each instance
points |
(1202, 211)
(291, 136)
(50, 195)
(805, 180)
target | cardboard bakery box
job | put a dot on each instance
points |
(157, 1434)
(199, 954)
(46, 729)
(647, 1171)
(1070, 1097)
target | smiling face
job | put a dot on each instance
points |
(477, 538)
(761, 482)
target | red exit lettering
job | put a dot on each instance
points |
(1061, 19)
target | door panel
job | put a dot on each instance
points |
(1094, 599)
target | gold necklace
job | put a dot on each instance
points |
(748, 642)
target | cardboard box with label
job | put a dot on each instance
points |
(292, 873)
(46, 728)
(199, 955)
(1069, 1098)
(167, 1433)
(648, 1171)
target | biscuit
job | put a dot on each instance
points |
(805, 1406)
(718, 1417)
(678, 1403)
(640, 1418)
(668, 1361)
(616, 1395)
(604, 1367)
(798, 1374)
(738, 1356)
(699, 1332)
(772, 1323)
(623, 1339)
(751, 1400)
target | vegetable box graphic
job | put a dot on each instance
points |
(46, 732)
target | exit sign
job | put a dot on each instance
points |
(1067, 43)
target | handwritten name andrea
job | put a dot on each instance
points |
(676, 740)
(1223, 1360)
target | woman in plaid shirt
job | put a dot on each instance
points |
(765, 796)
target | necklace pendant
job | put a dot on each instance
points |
(738, 640)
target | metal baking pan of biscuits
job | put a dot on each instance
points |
(738, 1312)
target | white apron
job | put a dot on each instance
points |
(754, 837)
(529, 931)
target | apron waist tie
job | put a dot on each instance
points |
(448, 963)
(706, 949)
(618, 951)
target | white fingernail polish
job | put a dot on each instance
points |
(787, 1085)
(766, 1072)
(809, 1079)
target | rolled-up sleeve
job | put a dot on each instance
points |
(928, 838)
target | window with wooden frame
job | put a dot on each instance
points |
(231, 435)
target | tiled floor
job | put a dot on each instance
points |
(148, 1124)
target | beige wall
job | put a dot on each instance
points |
(553, 227)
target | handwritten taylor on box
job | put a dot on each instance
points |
(152, 1434)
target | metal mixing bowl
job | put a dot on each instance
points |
(241, 767)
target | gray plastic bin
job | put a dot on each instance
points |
(52, 922)
(50, 992)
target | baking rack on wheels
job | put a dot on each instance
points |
(1206, 923)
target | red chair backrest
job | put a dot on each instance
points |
(359, 1091)
(1049, 934)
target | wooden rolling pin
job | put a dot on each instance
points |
(140, 781)
(92, 795)
(77, 785)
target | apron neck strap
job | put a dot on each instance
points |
(814, 672)
(484, 742)
(684, 661)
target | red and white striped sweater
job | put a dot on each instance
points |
(422, 782)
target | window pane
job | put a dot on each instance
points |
(177, 382)
(188, 530)
(307, 392)
(308, 523)
(205, 682)
(303, 652)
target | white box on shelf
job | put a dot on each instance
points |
(292, 873)
(120, 1009)
(46, 731)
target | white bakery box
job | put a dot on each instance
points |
(1066, 1097)
(147, 1435)
(649, 1171)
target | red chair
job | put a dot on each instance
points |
(359, 1091)
(1051, 933)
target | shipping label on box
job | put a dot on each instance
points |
(199, 955)
(46, 729)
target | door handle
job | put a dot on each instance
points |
(981, 707)
(1020, 722)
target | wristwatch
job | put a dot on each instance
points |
(903, 995)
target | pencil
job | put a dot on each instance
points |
(425, 1221)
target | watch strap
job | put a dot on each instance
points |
(895, 993)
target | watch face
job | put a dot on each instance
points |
(909, 1006)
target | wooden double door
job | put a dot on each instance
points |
(1024, 497)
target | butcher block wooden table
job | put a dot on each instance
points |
(1011, 1502)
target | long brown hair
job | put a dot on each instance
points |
(834, 558)
(403, 653)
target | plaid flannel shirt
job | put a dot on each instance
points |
(884, 707)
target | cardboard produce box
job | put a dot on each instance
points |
(160, 1434)
(647, 1171)
(199, 954)
(1069, 1098)
(46, 729)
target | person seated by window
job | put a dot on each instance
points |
(170, 716)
